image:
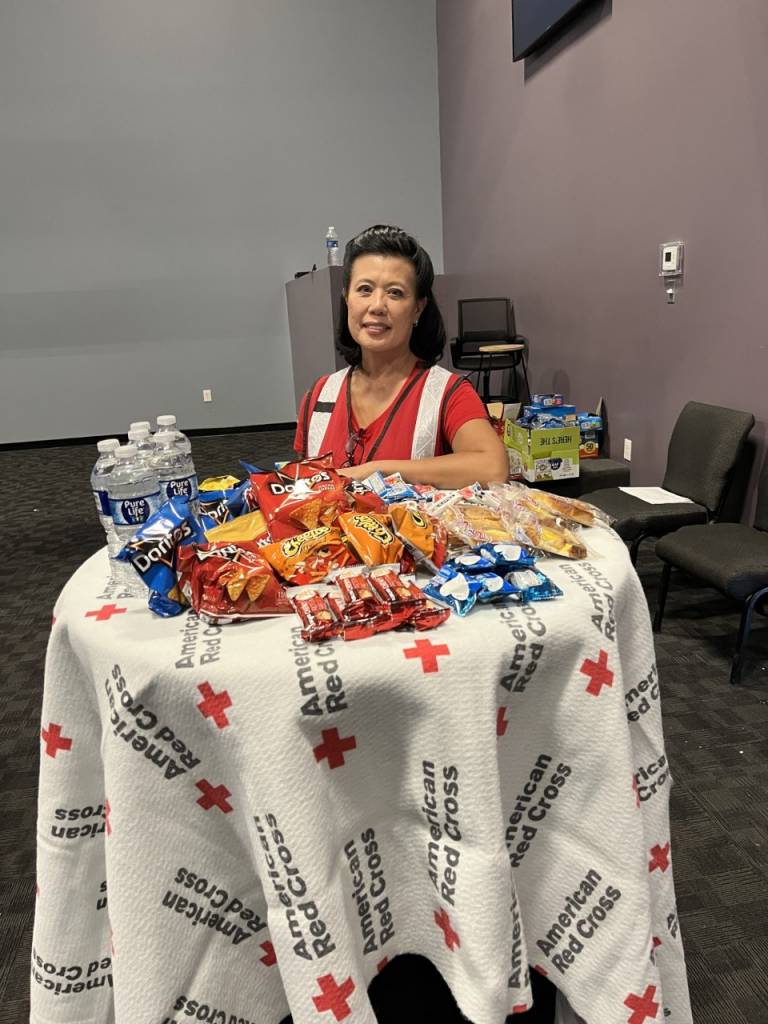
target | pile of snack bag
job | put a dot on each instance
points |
(345, 555)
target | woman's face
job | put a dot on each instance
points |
(382, 304)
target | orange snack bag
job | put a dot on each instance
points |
(371, 538)
(308, 557)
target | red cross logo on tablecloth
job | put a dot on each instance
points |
(636, 790)
(428, 652)
(382, 964)
(656, 941)
(659, 857)
(213, 796)
(54, 741)
(105, 612)
(540, 969)
(599, 673)
(335, 997)
(270, 957)
(214, 705)
(107, 812)
(642, 1006)
(501, 721)
(442, 920)
(53, 620)
(334, 747)
(520, 1008)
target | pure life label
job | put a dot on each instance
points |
(180, 487)
(133, 511)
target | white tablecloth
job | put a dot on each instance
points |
(234, 825)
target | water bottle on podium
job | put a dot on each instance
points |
(100, 474)
(134, 495)
(332, 250)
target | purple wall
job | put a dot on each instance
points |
(561, 180)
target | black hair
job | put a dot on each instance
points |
(428, 336)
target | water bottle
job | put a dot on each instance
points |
(134, 496)
(166, 425)
(175, 470)
(100, 474)
(142, 425)
(140, 437)
(332, 248)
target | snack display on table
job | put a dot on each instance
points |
(352, 558)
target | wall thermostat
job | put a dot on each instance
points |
(671, 259)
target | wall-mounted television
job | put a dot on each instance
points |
(534, 21)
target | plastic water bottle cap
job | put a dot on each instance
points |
(109, 444)
(141, 425)
(126, 452)
(138, 434)
(166, 421)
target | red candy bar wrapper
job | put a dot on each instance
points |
(429, 616)
(318, 619)
(358, 599)
(393, 590)
(358, 629)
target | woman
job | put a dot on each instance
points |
(394, 409)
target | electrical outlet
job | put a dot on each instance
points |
(207, 397)
(627, 449)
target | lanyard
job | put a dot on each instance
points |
(393, 411)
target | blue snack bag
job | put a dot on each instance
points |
(391, 488)
(534, 585)
(495, 588)
(472, 562)
(505, 557)
(454, 590)
(217, 507)
(152, 553)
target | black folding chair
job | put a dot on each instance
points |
(731, 557)
(703, 451)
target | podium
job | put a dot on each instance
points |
(313, 317)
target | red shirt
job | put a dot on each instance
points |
(463, 405)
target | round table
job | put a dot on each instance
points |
(234, 824)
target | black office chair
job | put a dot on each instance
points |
(703, 451)
(488, 341)
(731, 557)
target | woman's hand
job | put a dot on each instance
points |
(361, 472)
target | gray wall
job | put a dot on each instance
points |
(166, 167)
(560, 179)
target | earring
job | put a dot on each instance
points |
(415, 323)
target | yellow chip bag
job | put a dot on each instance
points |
(252, 526)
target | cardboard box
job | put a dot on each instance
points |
(544, 454)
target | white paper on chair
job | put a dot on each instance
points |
(656, 496)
